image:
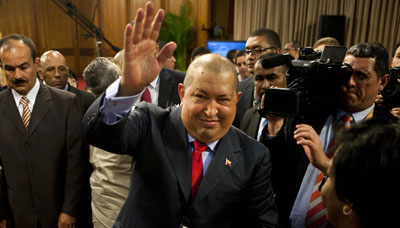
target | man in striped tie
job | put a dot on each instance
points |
(41, 144)
(370, 63)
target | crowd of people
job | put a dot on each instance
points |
(148, 146)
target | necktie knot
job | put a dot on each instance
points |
(347, 121)
(199, 146)
(24, 101)
(146, 95)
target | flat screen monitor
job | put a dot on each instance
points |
(222, 47)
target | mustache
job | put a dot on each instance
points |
(17, 81)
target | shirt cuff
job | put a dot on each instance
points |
(115, 108)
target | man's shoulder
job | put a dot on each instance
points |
(383, 114)
(179, 75)
(246, 143)
(55, 92)
(248, 82)
(81, 93)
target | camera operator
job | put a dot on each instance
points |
(370, 63)
(390, 99)
(268, 130)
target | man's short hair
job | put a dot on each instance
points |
(72, 74)
(231, 55)
(99, 74)
(199, 51)
(327, 41)
(6, 41)
(240, 53)
(270, 35)
(372, 50)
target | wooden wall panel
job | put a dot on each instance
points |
(50, 28)
(18, 16)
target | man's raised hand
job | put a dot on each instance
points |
(141, 65)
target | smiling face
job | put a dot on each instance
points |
(360, 91)
(18, 66)
(208, 104)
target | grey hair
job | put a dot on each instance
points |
(99, 74)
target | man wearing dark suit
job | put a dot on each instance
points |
(269, 131)
(260, 42)
(110, 183)
(41, 152)
(54, 72)
(174, 182)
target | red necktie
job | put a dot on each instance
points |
(197, 166)
(146, 95)
(316, 215)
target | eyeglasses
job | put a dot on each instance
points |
(257, 51)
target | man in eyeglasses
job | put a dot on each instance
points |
(54, 72)
(260, 42)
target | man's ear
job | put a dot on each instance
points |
(383, 81)
(181, 91)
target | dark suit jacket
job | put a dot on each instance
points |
(42, 165)
(284, 163)
(168, 93)
(246, 100)
(229, 195)
(84, 98)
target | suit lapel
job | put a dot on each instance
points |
(218, 167)
(165, 89)
(42, 106)
(178, 151)
(11, 112)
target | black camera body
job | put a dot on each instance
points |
(313, 83)
(391, 92)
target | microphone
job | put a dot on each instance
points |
(276, 60)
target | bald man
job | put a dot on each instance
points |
(193, 169)
(54, 72)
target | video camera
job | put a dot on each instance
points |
(313, 82)
(391, 92)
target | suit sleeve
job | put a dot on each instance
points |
(122, 136)
(75, 164)
(4, 207)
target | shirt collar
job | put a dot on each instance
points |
(211, 145)
(31, 94)
(154, 83)
(357, 116)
